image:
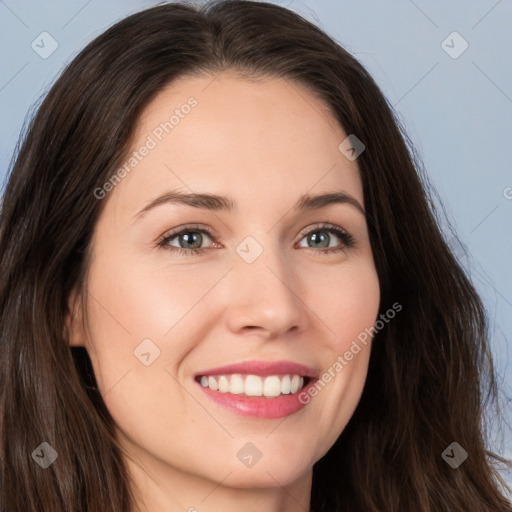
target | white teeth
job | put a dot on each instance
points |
(236, 385)
(272, 386)
(254, 385)
(285, 385)
(297, 383)
(212, 383)
(223, 384)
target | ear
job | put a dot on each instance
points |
(74, 321)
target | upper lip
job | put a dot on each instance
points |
(263, 368)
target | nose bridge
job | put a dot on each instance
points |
(263, 259)
(266, 289)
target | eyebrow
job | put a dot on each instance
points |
(221, 203)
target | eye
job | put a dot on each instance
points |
(321, 237)
(190, 239)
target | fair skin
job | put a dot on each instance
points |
(264, 145)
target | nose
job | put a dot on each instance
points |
(266, 297)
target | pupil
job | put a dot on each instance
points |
(315, 237)
(187, 237)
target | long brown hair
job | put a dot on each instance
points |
(430, 373)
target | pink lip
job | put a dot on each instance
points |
(261, 407)
(263, 368)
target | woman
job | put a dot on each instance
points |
(252, 368)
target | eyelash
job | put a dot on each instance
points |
(347, 238)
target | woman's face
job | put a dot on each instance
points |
(263, 288)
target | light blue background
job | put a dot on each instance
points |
(457, 111)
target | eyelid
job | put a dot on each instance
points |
(188, 227)
(317, 226)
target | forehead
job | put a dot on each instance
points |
(258, 140)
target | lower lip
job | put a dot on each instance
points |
(259, 406)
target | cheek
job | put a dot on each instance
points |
(347, 300)
(357, 309)
(138, 314)
(130, 302)
(350, 309)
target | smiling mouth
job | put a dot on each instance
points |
(268, 386)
